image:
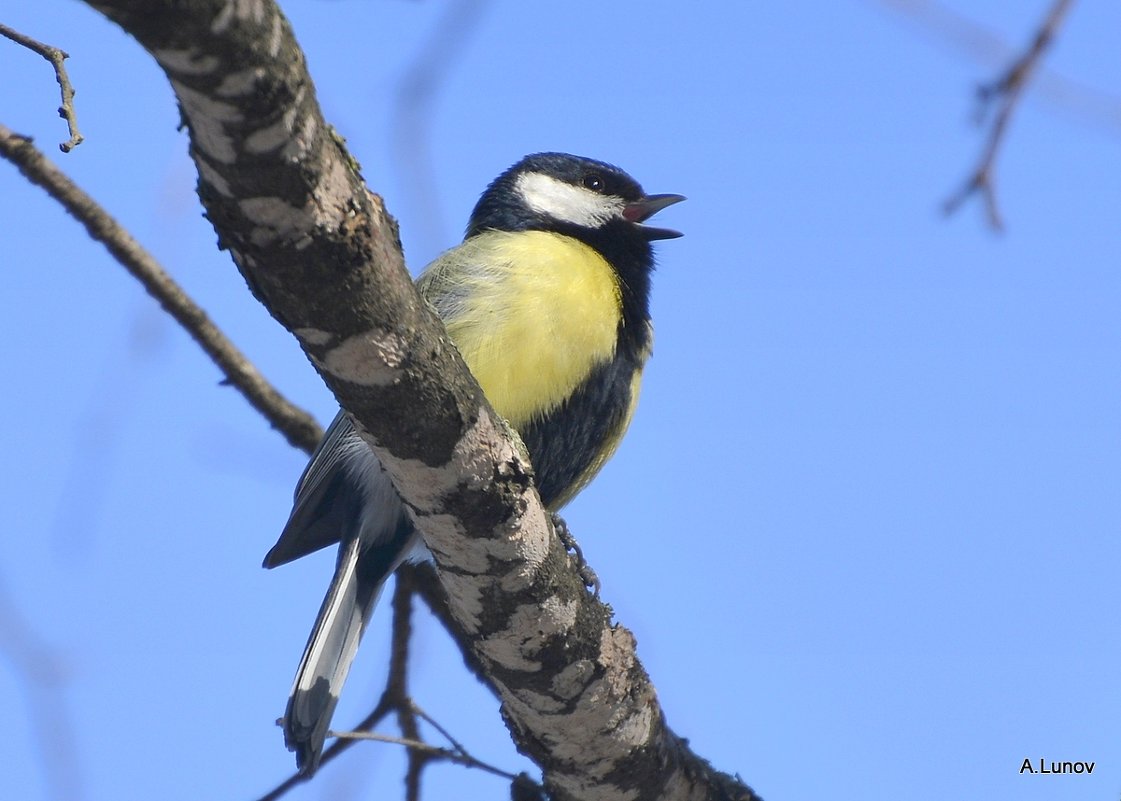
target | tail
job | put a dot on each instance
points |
(343, 496)
(329, 653)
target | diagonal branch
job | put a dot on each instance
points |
(1006, 91)
(321, 253)
(297, 425)
(56, 57)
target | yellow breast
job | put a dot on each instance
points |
(531, 312)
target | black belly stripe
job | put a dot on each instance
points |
(564, 445)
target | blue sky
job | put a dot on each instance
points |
(864, 526)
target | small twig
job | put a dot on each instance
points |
(416, 745)
(461, 756)
(1006, 91)
(432, 752)
(297, 425)
(56, 57)
(420, 713)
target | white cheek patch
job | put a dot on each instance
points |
(562, 201)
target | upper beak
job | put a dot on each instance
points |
(647, 207)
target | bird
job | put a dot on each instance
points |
(548, 301)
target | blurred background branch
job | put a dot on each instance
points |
(40, 670)
(1005, 92)
(413, 106)
(998, 99)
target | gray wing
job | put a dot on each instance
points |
(329, 497)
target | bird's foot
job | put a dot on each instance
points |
(589, 577)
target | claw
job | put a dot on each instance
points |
(587, 575)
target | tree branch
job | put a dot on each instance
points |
(1006, 91)
(56, 57)
(298, 426)
(318, 249)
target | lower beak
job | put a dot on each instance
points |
(642, 210)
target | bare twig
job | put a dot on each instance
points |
(297, 425)
(1006, 91)
(420, 713)
(56, 57)
(457, 756)
(461, 756)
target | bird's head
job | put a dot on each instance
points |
(572, 195)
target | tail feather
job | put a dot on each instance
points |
(327, 657)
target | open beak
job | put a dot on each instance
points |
(642, 210)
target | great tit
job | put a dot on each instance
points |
(547, 299)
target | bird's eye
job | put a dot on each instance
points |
(594, 181)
